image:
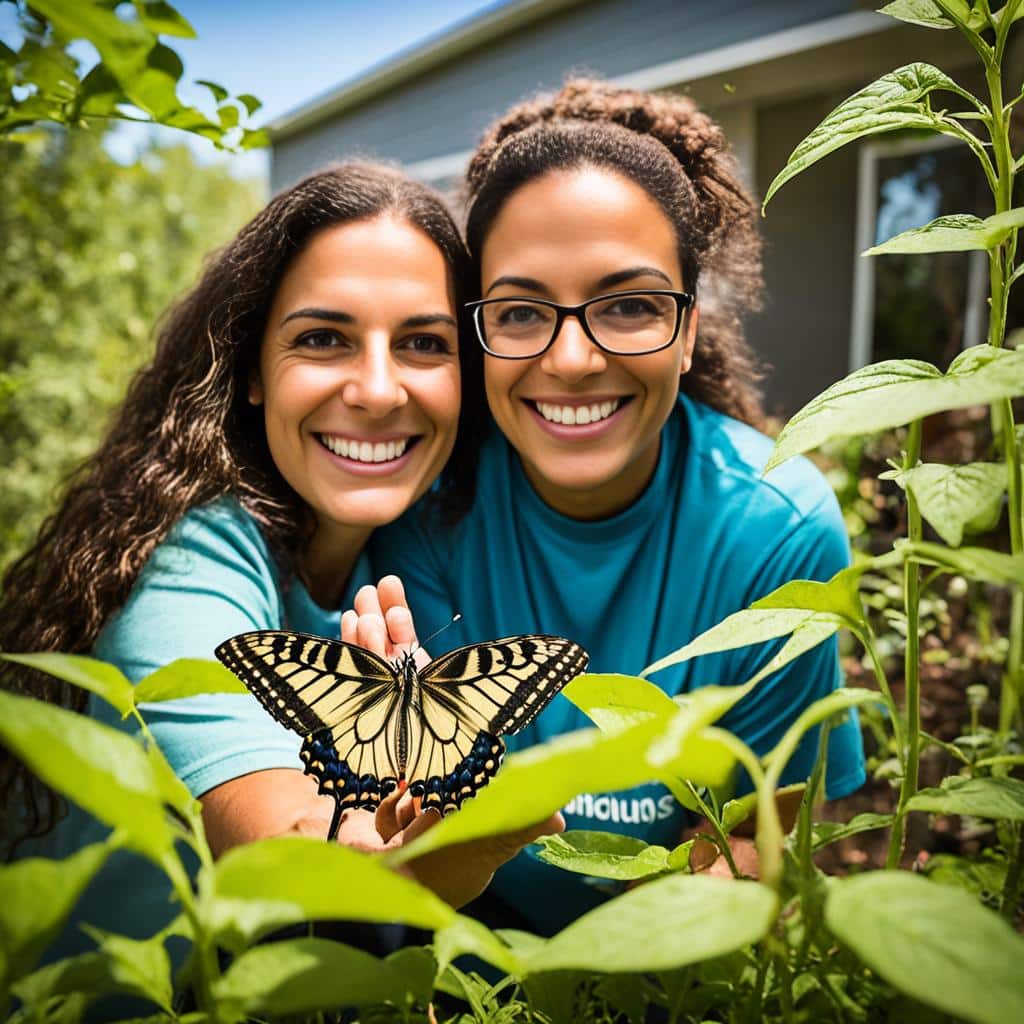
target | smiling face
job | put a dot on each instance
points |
(570, 236)
(359, 375)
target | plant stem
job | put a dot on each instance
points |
(1011, 887)
(867, 639)
(912, 658)
(716, 826)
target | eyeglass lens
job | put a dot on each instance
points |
(630, 324)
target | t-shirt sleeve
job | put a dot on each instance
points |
(210, 579)
(815, 549)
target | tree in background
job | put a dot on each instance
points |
(93, 253)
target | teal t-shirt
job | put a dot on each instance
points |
(212, 577)
(706, 538)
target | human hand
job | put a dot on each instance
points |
(382, 622)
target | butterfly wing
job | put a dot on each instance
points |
(342, 699)
(470, 697)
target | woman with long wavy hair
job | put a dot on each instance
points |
(305, 392)
(619, 498)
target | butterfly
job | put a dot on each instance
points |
(369, 725)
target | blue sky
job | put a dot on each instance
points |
(287, 52)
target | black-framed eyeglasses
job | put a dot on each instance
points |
(631, 323)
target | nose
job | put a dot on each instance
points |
(375, 385)
(572, 355)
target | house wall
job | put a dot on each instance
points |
(445, 110)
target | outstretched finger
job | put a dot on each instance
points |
(350, 627)
(372, 634)
(367, 602)
(391, 593)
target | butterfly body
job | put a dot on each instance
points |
(369, 725)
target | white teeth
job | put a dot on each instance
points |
(365, 451)
(578, 415)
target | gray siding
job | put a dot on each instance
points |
(445, 110)
(809, 230)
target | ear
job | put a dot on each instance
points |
(255, 388)
(692, 318)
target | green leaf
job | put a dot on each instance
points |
(839, 595)
(896, 392)
(823, 833)
(957, 499)
(305, 975)
(958, 232)
(256, 138)
(155, 88)
(467, 935)
(709, 917)
(36, 897)
(97, 677)
(140, 966)
(187, 677)
(536, 782)
(162, 19)
(978, 563)
(220, 94)
(274, 882)
(603, 855)
(893, 102)
(982, 877)
(250, 102)
(934, 943)
(1001, 798)
(99, 768)
(101, 93)
(228, 116)
(929, 15)
(615, 702)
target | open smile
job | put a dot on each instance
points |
(361, 455)
(580, 419)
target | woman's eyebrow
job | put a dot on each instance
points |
(621, 276)
(529, 283)
(334, 315)
(429, 319)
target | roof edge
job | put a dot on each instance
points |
(396, 70)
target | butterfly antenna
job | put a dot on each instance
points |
(451, 622)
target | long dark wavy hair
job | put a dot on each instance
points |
(681, 158)
(186, 435)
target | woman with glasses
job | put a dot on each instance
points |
(619, 499)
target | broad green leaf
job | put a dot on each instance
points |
(898, 391)
(825, 832)
(932, 942)
(982, 877)
(467, 935)
(805, 637)
(36, 897)
(155, 88)
(254, 138)
(895, 101)
(615, 702)
(625, 992)
(839, 595)
(978, 563)
(1001, 798)
(708, 916)
(274, 882)
(101, 93)
(957, 499)
(552, 996)
(958, 232)
(534, 783)
(162, 19)
(301, 976)
(603, 855)
(187, 677)
(228, 116)
(99, 768)
(250, 102)
(141, 966)
(95, 676)
(929, 15)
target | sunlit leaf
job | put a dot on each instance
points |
(104, 771)
(140, 966)
(977, 563)
(929, 15)
(220, 94)
(936, 944)
(614, 702)
(709, 917)
(823, 833)
(893, 102)
(840, 595)
(187, 677)
(275, 882)
(155, 88)
(958, 232)
(305, 975)
(97, 677)
(250, 102)
(898, 391)
(1001, 798)
(162, 19)
(957, 499)
(603, 855)
(467, 935)
(36, 897)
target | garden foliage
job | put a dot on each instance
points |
(794, 945)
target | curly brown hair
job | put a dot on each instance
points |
(681, 158)
(186, 435)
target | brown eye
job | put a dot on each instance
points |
(427, 344)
